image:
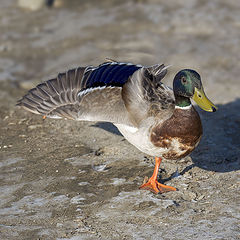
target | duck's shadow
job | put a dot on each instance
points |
(219, 148)
(109, 127)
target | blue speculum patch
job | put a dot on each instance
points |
(111, 74)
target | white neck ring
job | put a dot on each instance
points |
(183, 108)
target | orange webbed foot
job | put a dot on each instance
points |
(153, 185)
(156, 187)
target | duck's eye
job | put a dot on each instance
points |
(183, 79)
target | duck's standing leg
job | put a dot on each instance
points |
(152, 184)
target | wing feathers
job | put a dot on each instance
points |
(114, 92)
(53, 94)
(107, 74)
(93, 94)
(103, 104)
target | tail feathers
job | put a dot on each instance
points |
(55, 98)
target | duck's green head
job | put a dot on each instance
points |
(187, 84)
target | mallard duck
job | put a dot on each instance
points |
(156, 119)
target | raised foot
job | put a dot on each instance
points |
(156, 187)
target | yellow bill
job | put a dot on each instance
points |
(203, 102)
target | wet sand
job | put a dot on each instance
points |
(79, 180)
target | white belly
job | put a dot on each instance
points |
(140, 138)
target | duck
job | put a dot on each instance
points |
(158, 120)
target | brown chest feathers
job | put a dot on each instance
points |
(179, 134)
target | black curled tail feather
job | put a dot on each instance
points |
(155, 73)
(154, 90)
(48, 98)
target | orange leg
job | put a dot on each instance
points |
(152, 184)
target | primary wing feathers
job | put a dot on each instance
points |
(54, 97)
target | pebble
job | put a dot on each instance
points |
(187, 175)
(78, 145)
(32, 127)
(22, 136)
(99, 168)
(31, 5)
(22, 120)
(200, 197)
(188, 196)
(27, 84)
(6, 146)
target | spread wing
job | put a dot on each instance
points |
(121, 93)
(85, 93)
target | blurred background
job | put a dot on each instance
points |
(49, 188)
(37, 41)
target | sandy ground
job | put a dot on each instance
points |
(79, 180)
